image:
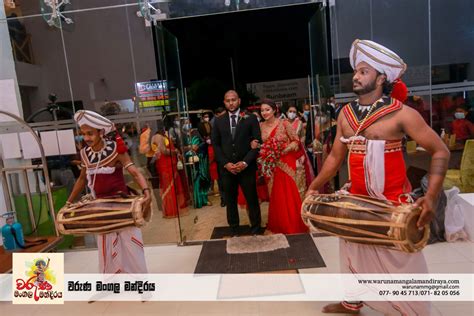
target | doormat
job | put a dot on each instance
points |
(251, 244)
(301, 253)
(226, 232)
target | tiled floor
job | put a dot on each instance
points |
(441, 258)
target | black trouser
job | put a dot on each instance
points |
(248, 183)
(220, 183)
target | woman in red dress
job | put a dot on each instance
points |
(171, 186)
(278, 154)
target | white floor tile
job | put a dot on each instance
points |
(73, 308)
(7, 308)
(326, 242)
(219, 308)
(442, 253)
(455, 308)
(81, 262)
(313, 270)
(166, 249)
(176, 263)
(139, 308)
(465, 248)
(463, 267)
(289, 308)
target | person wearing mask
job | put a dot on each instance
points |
(205, 128)
(461, 126)
(304, 171)
(306, 111)
(175, 132)
(295, 122)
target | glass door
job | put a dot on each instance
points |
(323, 113)
(177, 185)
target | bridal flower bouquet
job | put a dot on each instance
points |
(270, 153)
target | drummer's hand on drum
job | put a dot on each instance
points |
(311, 192)
(427, 212)
(146, 199)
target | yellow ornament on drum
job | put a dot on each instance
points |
(367, 220)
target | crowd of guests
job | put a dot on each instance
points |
(294, 141)
(184, 160)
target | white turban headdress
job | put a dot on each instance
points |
(379, 57)
(93, 119)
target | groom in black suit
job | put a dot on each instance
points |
(231, 138)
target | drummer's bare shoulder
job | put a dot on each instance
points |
(413, 125)
(123, 159)
(343, 127)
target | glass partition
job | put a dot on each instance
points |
(322, 120)
(452, 66)
(114, 61)
(185, 8)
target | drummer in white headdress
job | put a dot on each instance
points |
(373, 127)
(103, 161)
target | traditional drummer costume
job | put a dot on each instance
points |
(377, 169)
(121, 251)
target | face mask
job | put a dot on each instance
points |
(187, 127)
(292, 115)
(206, 119)
(459, 115)
(79, 138)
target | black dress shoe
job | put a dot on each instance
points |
(257, 231)
(234, 231)
(223, 203)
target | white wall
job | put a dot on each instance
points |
(105, 49)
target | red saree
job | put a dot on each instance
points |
(172, 192)
(284, 211)
(212, 164)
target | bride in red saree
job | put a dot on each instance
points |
(277, 162)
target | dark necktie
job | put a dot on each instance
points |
(233, 124)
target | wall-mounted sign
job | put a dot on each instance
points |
(152, 93)
(281, 90)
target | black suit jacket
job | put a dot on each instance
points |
(228, 149)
